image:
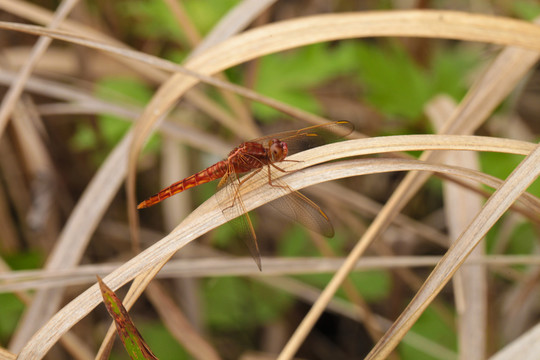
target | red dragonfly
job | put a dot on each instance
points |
(252, 157)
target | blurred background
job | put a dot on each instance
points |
(79, 103)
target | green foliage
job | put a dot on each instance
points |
(159, 339)
(450, 67)
(288, 77)
(527, 10)
(522, 240)
(223, 236)
(129, 90)
(206, 14)
(431, 326)
(523, 235)
(24, 260)
(234, 234)
(11, 309)
(373, 285)
(162, 343)
(150, 19)
(153, 19)
(492, 237)
(295, 242)
(111, 128)
(501, 165)
(233, 303)
(397, 86)
(84, 138)
(393, 83)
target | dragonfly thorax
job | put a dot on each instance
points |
(277, 150)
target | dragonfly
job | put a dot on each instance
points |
(257, 158)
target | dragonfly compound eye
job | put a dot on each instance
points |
(278, 150)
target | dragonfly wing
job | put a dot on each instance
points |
(298, 207)
(235, 213)
(310, 137)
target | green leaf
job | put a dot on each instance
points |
(31, 259)
(289, 77)
(431, 326)
(112, 128)
(11, 309)
(492, 236)
(522, 240)
(234, 303)
(153, 19)
(129, 90)
(394, 84)
(159, 338)
(527, 10)
(231, 235)
(373, 285)
(501, 165)
(84, 138)
(150, 20)
(295, 242)
(206, 14)
(397, 86)
(133, 342)
(449, 70)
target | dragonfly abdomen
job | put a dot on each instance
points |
(213, 172)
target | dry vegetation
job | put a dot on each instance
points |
(87, 83)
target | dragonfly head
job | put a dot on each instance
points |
(278, 150)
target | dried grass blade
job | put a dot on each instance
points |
(209, 215)
(76, 233)
(470, 282)
(494, 208)
(20, 280)
(526, 347)
(6, 355)
(178, 324)
(410, 185)
(289, 34)
(30, 324)
(16, 88)
(398, 32)
(236, 19)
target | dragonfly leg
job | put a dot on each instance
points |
(270, 176)
(288, 160)
(278, 168)
(240, 182)
(248, 176)
(283, 170)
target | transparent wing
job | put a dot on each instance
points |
(292, 204)
(312, 136)
(298, 207)
(234, 211)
